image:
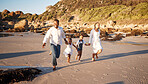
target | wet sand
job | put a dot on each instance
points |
(117, 64)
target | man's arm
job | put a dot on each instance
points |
(46, 38)
(63, 35)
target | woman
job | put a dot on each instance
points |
(95, 41)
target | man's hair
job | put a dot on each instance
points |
(96, 24)
(56, 20)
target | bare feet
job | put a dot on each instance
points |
(54, 68)
(50, 53)
(79, 60)
(93, 59)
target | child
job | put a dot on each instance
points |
(79, 44)
(68, 51)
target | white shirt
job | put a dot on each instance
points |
(94, 36)
(55, 35)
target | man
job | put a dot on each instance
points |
(56, 34)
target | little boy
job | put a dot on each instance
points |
(79, 45)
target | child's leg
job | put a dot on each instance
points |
(50, 53)
(80, 54)
(93, 56)
(68, 58)
(77, 55)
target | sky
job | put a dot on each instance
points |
(26, 6)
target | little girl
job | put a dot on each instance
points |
(68, 51)
(79, 45)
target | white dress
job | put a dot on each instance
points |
(68, 50)
(95, 40)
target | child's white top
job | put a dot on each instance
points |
(68, 50)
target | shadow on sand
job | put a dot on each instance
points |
(112, 56)
(119, 82)
(46, 70)
(11, 55)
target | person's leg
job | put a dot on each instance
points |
(80, 54)
(77, 55)
(99, 51)
(50, 53)
(68, 58)
(93, 56)
(54, 50)
(58, 51)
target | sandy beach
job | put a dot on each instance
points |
(121, 62)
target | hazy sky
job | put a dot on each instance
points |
(27, 6)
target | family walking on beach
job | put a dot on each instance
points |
(56, 34)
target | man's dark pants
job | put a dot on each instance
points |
(55, 53)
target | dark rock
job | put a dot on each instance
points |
(1, 29)
(71, 31)
(18, 13)
(16, 75)
(136, 32)
(116, 38)
(12, 14)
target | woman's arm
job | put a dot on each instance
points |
(74, 46)
(91, 36)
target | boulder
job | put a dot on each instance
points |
(125, 30)
(0, 16)
(116, 38)
(5, 25)
(103, 33)
(11, 76)
(18, 13)
(5, 11)
(136, 32)
(11, 24)
(110, 30)
(84, 34)
(71, 31)
(87, 30)
(21, 25)
(1, 29)
(111, 24)
(12, 14)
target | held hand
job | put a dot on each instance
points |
(43, 45)
(66, 42)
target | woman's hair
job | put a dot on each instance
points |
(96, 24)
